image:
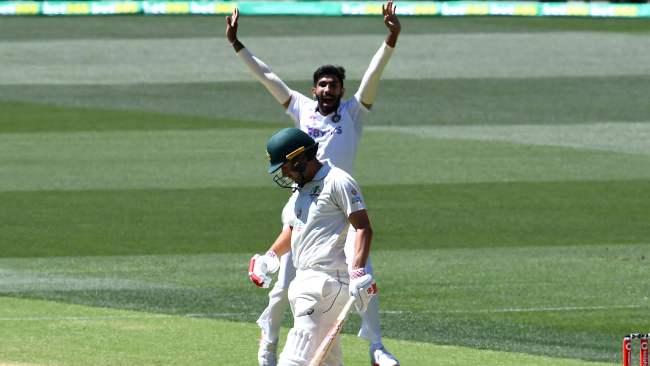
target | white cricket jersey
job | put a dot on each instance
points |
(337, 141)
(318, 213)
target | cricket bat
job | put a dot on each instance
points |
(326, 344)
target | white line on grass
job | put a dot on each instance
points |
(394, 312)
(19, 281)
(83, 318)
(521, 310)
(624, 137)
(122, 317)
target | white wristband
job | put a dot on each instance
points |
(265, 75)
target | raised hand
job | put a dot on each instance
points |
(231, 25)
(390, 17)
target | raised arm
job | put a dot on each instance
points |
(392, 23)
(370, 82)
(260, 70)
(232, 24)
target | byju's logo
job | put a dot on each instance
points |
(318, 133)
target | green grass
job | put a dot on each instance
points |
(21, 117)
(509, 196)
(516, 300)
(130, 222)
(472, 101)
(150, 340)
(211, 26)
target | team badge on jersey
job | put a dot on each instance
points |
(356, 198)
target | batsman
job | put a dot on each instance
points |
(325, 203)
(336, 124)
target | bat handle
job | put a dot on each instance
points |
(326, 344)
(346, 308)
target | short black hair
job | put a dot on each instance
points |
(329, 70)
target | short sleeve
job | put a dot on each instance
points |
(288, 212)
(348, 194)
(356, 109)
(296, 106)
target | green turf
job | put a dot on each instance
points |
(482, 101)
(212, 26)
(211, 220)
(234, 157)
(509, 195)
(19, 117)
(515, 101)
(518, 300)
(145, 339)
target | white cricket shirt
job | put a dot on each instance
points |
(318, 213)
(337, 141)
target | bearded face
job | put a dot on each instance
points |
(328, 92)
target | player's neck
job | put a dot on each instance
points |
(326, 112)
(312, 168)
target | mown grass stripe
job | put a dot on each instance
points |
(447, 55)
(626, 137)
(239, 315)
(178, 26)
(178, 340)
(64, 223)
(401, 102)
(222, 158)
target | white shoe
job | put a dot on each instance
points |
(379, 356)
(266, 354)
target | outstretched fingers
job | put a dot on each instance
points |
(391, 21)
(231, 25)
(235, 17)
(232, 19)
(388, 9)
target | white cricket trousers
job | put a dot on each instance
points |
(316, 297)
(270, 320)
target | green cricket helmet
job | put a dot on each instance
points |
(285, 145)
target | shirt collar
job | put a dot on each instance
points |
(319, 176)
(323, 171)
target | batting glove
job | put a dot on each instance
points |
(260, 266)
(362, 287)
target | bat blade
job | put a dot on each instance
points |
(335, 329)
